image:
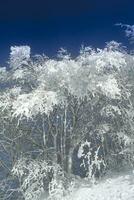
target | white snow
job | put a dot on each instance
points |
(81, 148)
(34, 102)
(116, 188)
(19, 55)
(110, 88)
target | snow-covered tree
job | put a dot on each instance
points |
(19, 56)
(75, 113)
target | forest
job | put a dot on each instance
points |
(64, 121)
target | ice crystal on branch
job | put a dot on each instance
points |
(110, 88)
(19, 55)
(31, 104)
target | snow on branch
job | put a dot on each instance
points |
(31, 104)
(110, 88)
(44, 83)
(19, 55)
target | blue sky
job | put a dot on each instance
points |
(47, 25)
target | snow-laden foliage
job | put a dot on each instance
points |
(30, 104)
(65, 117)
(39, 180)
(31, 174)
(91, 72)
(19, 56)
(93, 163)
(110, 88)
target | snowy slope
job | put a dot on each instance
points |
(116, 188)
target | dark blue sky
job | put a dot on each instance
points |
(47, 25)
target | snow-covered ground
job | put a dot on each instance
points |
(119, 187)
